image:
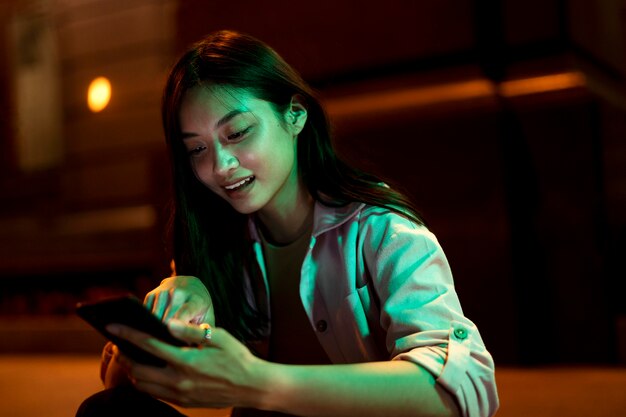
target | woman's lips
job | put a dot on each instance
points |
(239, 184)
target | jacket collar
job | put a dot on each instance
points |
(325, 218)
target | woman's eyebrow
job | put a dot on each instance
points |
(228, 117)
(187, 135)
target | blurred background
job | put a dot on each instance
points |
(504, 121)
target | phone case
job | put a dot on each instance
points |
(130, 311)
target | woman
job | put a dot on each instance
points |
(329, 294)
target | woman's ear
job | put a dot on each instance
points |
(296, 114)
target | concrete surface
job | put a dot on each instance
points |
(54, 385)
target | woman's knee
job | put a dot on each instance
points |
(124, 400)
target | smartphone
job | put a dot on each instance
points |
(130, 311)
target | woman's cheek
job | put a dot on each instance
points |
(203, 174)
(249, 160)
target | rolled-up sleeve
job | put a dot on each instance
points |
(421, 313)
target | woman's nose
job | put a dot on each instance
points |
(225, 161)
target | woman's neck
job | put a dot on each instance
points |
(289, 220)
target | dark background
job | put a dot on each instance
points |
(525, 187)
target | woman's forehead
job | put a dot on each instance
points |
(219, 96)
(212, 105)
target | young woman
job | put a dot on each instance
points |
(325, 293)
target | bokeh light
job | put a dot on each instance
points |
(99, 94)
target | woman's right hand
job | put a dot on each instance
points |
(182, 297)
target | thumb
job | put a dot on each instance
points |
(209, 316)
(189, 313)
(196, 311)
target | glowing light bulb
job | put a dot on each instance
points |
(98, 94)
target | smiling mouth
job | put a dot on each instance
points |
(239, 184)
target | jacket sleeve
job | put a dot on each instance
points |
(421, 313)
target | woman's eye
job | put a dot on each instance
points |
(239, 135)
(196, 150)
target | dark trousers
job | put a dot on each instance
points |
(125, 401)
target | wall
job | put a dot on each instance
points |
(521, 178)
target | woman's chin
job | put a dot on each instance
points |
(244, 207)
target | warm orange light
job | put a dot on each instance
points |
(410, 97)
(542, 84)
(98, 94)
(473, 89)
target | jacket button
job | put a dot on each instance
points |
(460, 333)
(321, 326)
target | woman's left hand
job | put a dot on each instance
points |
(218, 373)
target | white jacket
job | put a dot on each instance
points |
(377, 286)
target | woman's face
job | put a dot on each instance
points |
(240, 148)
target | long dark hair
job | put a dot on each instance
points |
(209, 236)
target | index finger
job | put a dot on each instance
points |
(148, 301)
(175, 303)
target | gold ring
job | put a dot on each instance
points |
(207, 332)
